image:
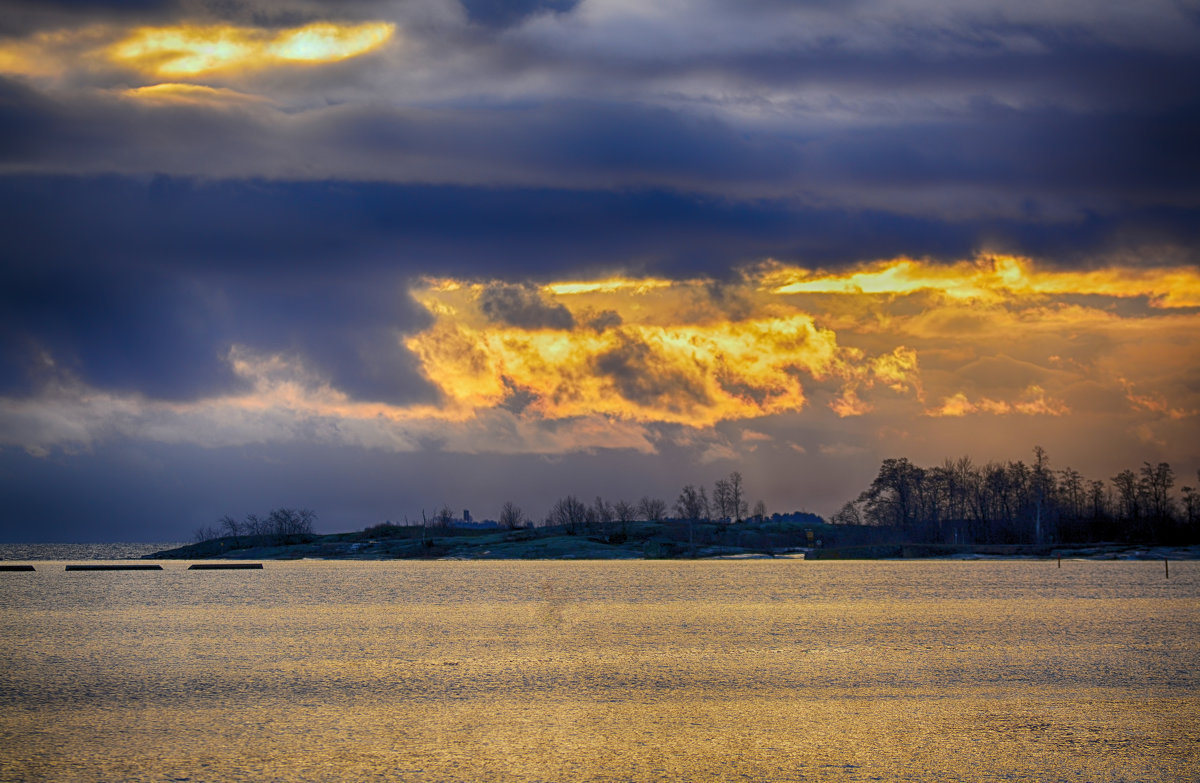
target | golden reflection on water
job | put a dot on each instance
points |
(604, 671)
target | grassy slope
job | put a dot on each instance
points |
(636, 540)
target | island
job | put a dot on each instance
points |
(781, 536)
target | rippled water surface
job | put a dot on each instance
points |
(560, 671)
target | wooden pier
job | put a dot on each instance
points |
(223, 566)
(115, 567)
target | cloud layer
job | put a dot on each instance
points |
(704, 233)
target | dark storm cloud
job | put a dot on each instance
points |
(21, 16)
(994, 159)
(523, 306)
(145, 286)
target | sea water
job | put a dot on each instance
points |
(603, 671)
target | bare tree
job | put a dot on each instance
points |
(652, 509)
(624, 512)
(205, 533)
(760, 511)
(290, 521)
(1071, 483)
(721, 500)
(1191, 505)
(737, 499)
(1097, 499)
(602, 513)
(1130, 498)
(847, 515)
(230, 527)
(444, 518)
(1158, 480)
(570, 513)
(689, 506)
(511, 516)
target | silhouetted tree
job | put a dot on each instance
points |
(737, 497)
(848, 514)
(570, 513)
(892, 498)
(602, 513)
(1041, 494)
(255, 525)
(1097, 500)
(721, 500)
(444, 518)
(230, 526)
(625, 513)
(1129, 497)
(1071, 485)
(652, 509)
(1158, 480)
(511, 516)
(1191, 505)
(205, 533)
(688, 505)
(290, 521)
(1014, 502)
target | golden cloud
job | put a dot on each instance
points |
(1032, 402)
(697, 370)
(993, 278)
(50, 53)
(192, 50)
(1006, 337)
(189, 50)
(176, 93)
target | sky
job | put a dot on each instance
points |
(373, 258)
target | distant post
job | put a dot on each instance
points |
(1167, 567)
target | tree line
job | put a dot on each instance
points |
(278, 522)
(727, 504)
(957, 502)
(962, 502)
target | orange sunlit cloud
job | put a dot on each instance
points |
(176, 93)
(188, 51)
(644, 366)
(1032, 402)
(194, 50)
(998, 329)
(992, 278)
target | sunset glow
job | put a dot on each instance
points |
(668, 353)
(196, 50)
(995, 277)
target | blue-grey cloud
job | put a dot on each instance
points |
(523, 306)
(504, 13)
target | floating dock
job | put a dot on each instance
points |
(120, 567)
(222, 566)
(6, 567)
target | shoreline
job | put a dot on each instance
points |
(647, 541)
